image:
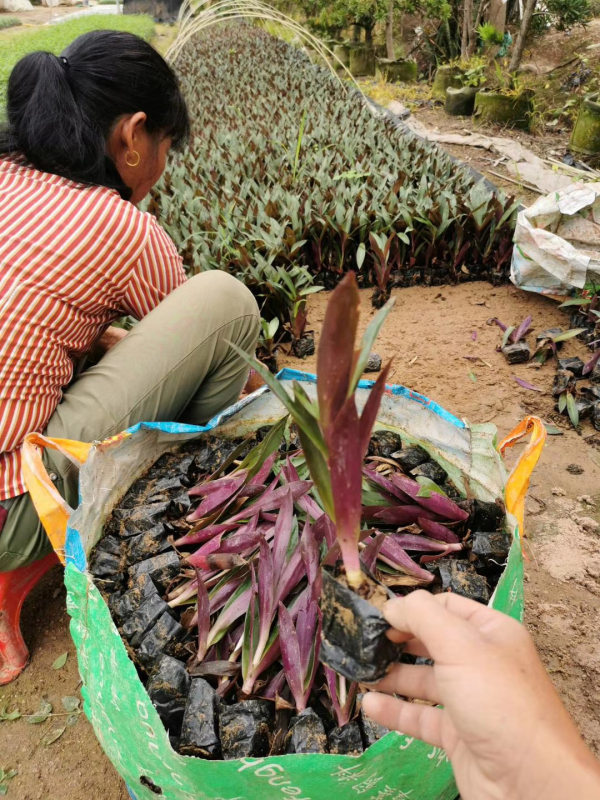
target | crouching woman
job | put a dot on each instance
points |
(87, 137)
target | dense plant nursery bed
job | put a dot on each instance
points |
(292, 179)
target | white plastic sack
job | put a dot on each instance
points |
(557, 241)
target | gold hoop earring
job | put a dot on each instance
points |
(136, 157)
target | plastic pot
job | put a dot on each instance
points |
(354, 641)
(445, 76)
(342, 51)
(403, 70)
(460, 102)
(362, 60)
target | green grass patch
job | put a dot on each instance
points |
(9, 22)
(54, 38)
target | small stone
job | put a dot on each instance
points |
(584, 407)
(588, 524)
(558, 492)
(373, 363)
(586, 500)
(398, 109)
(575, 469)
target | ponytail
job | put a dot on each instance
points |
(61, 109)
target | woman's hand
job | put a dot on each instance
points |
(111, 336)
(503, 725)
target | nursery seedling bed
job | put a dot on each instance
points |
(217, 692)
(292, 179)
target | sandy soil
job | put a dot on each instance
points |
(436, 326)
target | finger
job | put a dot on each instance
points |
(428, 618)
(411, 645)
(416, 648)
(411, 681)
(411, 719)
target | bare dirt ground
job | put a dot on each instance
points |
(429, 334)
(436, 326)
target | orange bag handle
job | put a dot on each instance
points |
(518, 480)
(52, 508)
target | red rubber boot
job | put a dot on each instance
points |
(14, 588)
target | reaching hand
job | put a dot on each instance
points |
(502, 724)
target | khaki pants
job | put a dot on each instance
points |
(175, 365)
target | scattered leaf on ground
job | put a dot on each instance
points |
(70, 703)
(552, 430)
(6, 775)
(473, 377)
(8, 715)
(61, 660)
(52, 735)
(527, 385)
(40, 716)
(72, 719)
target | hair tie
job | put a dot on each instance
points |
(63, 62)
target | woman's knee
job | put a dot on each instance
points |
(227, 293)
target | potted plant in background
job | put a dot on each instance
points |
(460, 101)
(506, 102)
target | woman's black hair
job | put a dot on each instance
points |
(61, 109)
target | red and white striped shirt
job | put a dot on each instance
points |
(73, 258)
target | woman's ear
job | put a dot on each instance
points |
(133, 127)
(124, 136)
